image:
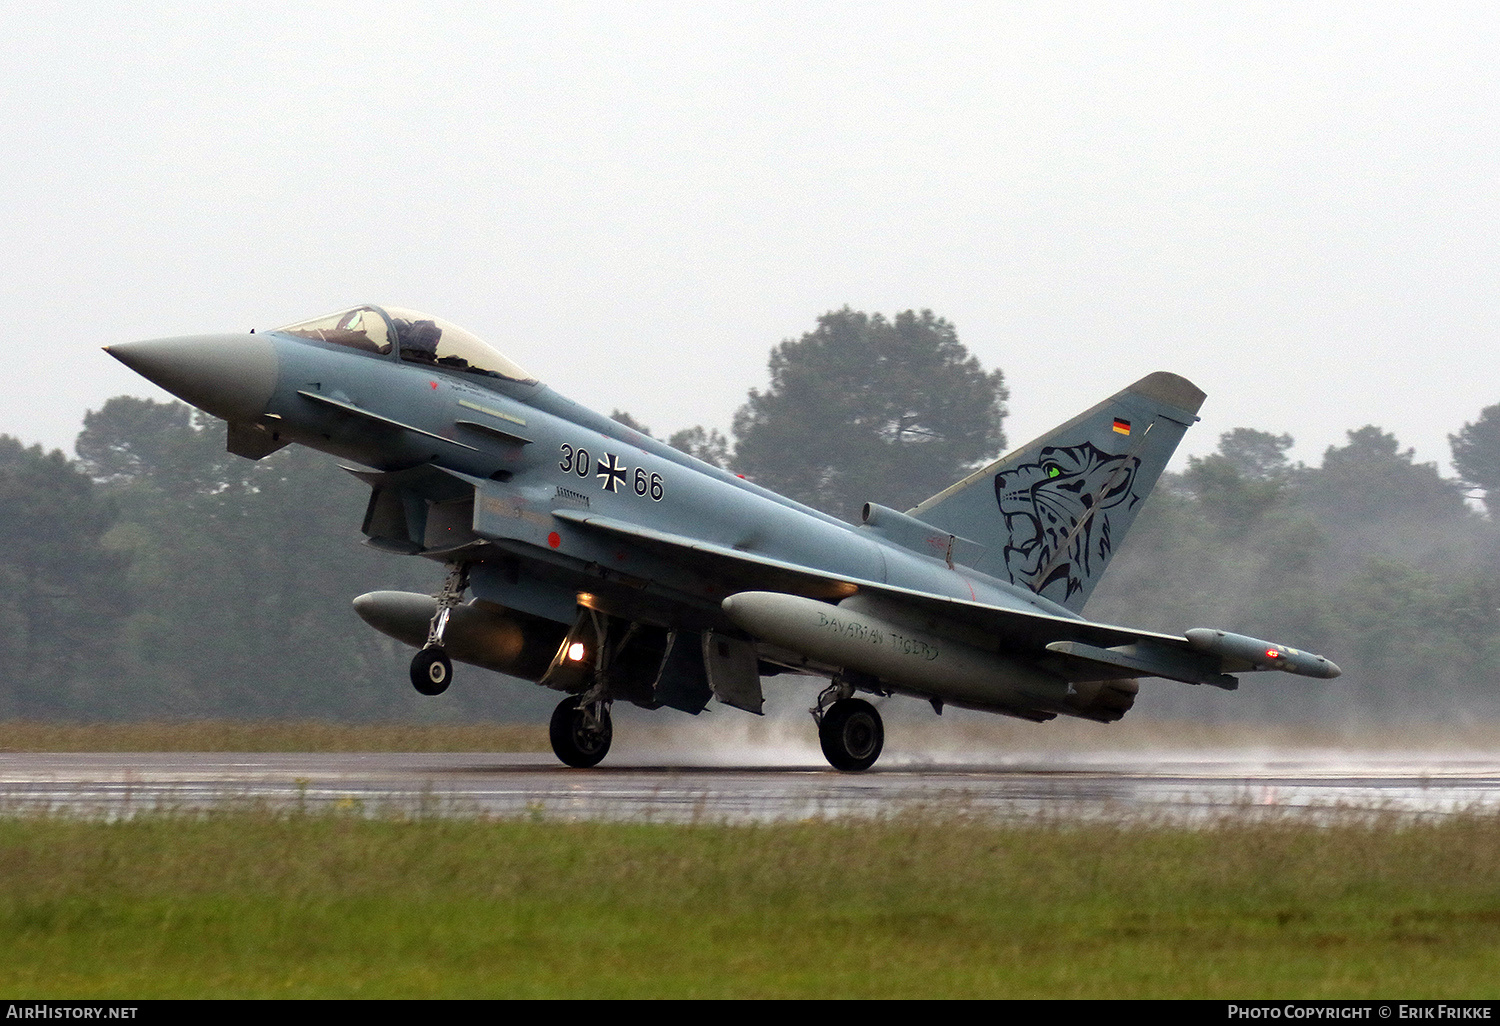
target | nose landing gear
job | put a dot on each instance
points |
(431, 669)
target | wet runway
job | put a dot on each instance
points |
(1183, 785)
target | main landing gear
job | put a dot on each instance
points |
(849, 729)
(581, 731)
(431, 669)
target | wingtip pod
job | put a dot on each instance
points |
(1262, 655)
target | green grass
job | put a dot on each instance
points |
(956, 735)
(251, 903)
(270, 736)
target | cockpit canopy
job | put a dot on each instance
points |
(415, 337)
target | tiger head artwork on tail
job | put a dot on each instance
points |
(1051, 515)
(1057, 514)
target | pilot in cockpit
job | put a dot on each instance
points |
(418, 339)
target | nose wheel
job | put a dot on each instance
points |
(851, 734)
(581, 732)
(431, 671)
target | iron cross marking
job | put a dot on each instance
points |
(610, 472)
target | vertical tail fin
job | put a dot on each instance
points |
(1053, 512)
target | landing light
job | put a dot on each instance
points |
(575, 651)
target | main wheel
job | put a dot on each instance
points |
(574, 741)
(431, 671)
(851, 735)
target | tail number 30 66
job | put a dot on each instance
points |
(612, 474)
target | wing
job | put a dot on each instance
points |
(1078, 649)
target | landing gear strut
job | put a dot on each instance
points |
(581, 732)
(849, 729)
(431, 669)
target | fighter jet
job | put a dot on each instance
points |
(592, 559)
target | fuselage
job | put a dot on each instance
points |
(574, 459)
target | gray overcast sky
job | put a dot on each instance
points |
(1293, 204)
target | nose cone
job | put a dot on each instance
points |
(229, 376)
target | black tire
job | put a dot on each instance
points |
(573, 742)
(431, 671)
(851, 735)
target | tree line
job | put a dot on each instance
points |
(155, 575)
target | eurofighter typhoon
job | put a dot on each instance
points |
(592, 559)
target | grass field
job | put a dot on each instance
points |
(254, 903)
(247, 901)
(269, 736)
(955, 736)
